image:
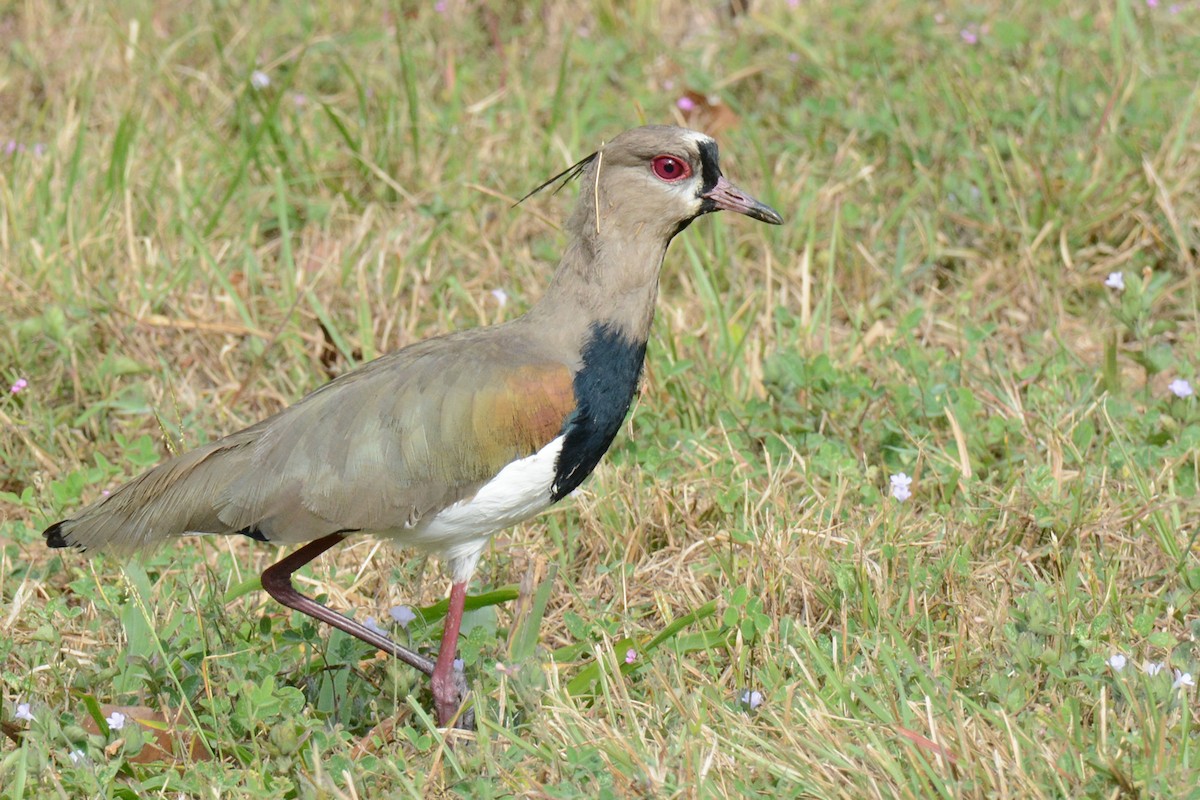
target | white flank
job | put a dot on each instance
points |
(460, 532)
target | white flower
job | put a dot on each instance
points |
(24, 713)
(901, 486)
(370, 624)
(501, 297)
(1182, 680)
(1180, 388)
(402, 615)
(459, 665)
(1117, 661)
(1115, 280)
(752, 698)
(1154, 667)
(77, 756)
(116, 721)
(259, 79)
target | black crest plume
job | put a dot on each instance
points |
(567, 175)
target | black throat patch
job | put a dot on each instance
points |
(604, 389)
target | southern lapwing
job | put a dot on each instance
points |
(445, 442)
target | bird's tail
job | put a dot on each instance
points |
(176, 497)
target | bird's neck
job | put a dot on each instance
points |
(610, 280)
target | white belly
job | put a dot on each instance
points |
(460, 532)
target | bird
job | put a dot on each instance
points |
(439, 445)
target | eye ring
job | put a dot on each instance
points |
(670, 168)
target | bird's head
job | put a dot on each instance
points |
(654, 181)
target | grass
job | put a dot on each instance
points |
(182, 253)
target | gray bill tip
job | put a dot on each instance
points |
(727, 197)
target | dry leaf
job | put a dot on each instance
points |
(164, 738)
(706, 113)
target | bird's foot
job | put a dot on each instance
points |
(449, 693)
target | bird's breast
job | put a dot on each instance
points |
(604, 388)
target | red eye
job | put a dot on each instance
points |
(670, 168)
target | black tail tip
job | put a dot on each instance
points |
(55, 537)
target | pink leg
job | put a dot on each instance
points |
(447, 688)
(277, 580)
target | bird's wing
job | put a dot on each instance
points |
(398, 445)
(378, 449)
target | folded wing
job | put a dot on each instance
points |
(377, 450)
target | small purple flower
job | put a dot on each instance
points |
(1117, 661)
(794, 58)
(371, 624)
(685, 103)
(24, 713)
(77, 757)
(459, 665)
(752, 698)
(440, 6)
(10, 147)
(259, 79)
(1183, 680)
(1115, 280)
(402, 615)
(116, 720)
(39, 149)
(1151, 3)
(1180, 388)
(630, 656)
(1154, 667)
(19, 385)
(501, 297)
(969, 36)
(901, 486)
